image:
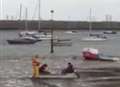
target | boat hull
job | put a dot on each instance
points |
(62, 43)
(93, 39)
(110, 32)
(21, 41)
(55, 76)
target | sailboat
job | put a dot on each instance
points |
(23, 39)
(26, 32)
(36, 34)
(93, 37)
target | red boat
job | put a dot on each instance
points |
(90, 53)
(94, 54)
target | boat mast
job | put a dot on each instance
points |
(1, 9)
(20, 12)
(26, 16)
(90, 22)
(39, 15)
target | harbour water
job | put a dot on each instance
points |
(110, 46)
(15, 61)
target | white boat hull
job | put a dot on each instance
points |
(93, 39)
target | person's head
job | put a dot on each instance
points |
(45, 65)
(36, 56)
(69, 63)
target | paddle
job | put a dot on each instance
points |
(77, 74)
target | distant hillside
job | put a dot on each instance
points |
(59, 25)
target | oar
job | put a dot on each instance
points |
(77, 74)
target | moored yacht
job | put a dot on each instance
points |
(93, 37)
(110, 32)
(24, 33)
(21, 41)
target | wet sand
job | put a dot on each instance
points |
(92, 73)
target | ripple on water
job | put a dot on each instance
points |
(17, 83)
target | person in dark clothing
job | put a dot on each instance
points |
(42, 69)
(69, 69)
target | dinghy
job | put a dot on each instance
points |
(61, 43)
(110, 32)
(108, 58)
(56, 76)
(52, 76)
(93, 38)
(70, 32)
(90, 53)
(94, 54)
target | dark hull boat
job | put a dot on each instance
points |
(62, 43)
(110, 32)
(21, 41)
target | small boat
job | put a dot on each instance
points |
(21, 41)
(53, 76)
(70, 32)
(108, 58)
(90, 53)
(93, 38)
(42, 34)
(24, 33)
(94, 54)
(36, 35)
(62, 40)
(42, 37)
(66, 76)
(29, 38)
(110, 32)
(61, 43)
(97, 35)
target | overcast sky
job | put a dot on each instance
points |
(78, 10)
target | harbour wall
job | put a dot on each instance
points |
(57, 25)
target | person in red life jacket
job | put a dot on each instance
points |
(43, 69)
(68, 69)
(35, 66)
